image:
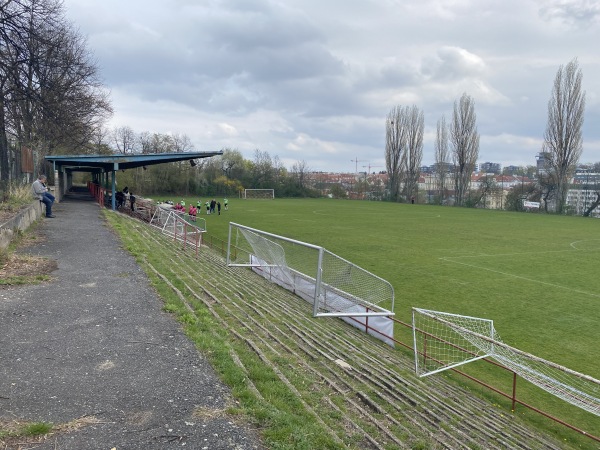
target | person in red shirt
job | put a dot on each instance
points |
(192, 212)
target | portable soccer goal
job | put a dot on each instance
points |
(268, 194)
(333, 285)
(443, 341)
(180, 226)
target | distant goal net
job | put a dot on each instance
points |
(268, 194)
(333, 285)
(443, 341)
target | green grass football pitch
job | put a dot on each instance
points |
(534, 275)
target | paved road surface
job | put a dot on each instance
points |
(94, 343)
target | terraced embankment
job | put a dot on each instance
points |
(363, 392)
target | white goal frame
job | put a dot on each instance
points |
(268, 194)
(335, 286)
(444, 341)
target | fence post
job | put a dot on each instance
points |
(514, 392)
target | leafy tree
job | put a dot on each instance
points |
(227, 186)
(338, 191)
(232, 164)
(514, 198)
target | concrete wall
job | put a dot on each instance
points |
(20, 222)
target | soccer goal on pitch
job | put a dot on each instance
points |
(334, 286)
(268, 194)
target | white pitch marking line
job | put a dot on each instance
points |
(574, 244)
(523, 278)
(487, 255)
(437, 216)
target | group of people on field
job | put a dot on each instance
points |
(193, 211)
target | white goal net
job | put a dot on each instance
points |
(178, 225)
(443, 341)
(335, 286)
(259, 193)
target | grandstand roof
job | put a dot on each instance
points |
(99, 164)
(108, 163)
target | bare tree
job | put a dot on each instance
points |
(414, 150)
(125, 140)
(465, 145)
(563, 136)
(395, 146)
(161, 143)
(488, 189)
(262, 170)
(101, 140)
(145, 142)
(279, 170)
(299, 173)
(51, 99)
(595, 203)
(548, 187)
(441, 158)
(181, 143)
(68, 102)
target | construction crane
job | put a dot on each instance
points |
(369, 168)
(357, 161)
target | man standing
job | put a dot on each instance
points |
(40, 191)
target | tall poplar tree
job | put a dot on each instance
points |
(465, 146)
(563, 141)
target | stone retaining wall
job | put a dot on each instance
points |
(20, 222)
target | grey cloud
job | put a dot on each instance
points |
(451, 63)
(328, 73)
(219, 58)
(574, 13)
(246, 30)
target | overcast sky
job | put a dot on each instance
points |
(313, 80)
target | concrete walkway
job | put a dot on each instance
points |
(94, 346)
